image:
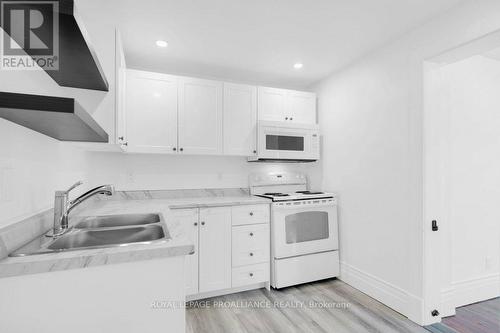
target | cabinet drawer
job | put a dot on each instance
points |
(250, 244)
(247, 275)
(250, 214)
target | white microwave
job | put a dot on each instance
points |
(286, 142)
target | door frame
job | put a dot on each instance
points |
(437, 266)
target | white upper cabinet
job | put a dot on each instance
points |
(200, 116)
(272, 104)
(121, 74)
(240, 119)
(287, 105)
(301, 107)
(151, 112)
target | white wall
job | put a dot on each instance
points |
(33, 166)
(371, 117)
(474, 167)
(156, 172)
(466, 93)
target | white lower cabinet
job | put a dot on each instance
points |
(250, 244)
(231, 250)
(189, 220)
(215, 249)
(251, 274)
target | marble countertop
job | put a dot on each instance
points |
(176, 246)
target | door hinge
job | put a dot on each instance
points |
(435, 313)
(435, 225)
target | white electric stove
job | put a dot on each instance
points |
(304, 229)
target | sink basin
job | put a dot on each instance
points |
(117, 221)
(102, 231)
(104, 238)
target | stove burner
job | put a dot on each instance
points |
(277, 194)
(309, 192)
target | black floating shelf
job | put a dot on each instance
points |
(58, 117)
(79, 66)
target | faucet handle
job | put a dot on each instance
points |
(78, 183)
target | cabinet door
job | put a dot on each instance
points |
(301, 107)
(240, 119)
(120, 72)
(151, 106)
(188, 219)
(215, 248)
(272, 104)
(200, 116)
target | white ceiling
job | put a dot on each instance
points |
(258, 41)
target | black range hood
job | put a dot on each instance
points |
(78, 66)
(58, 117)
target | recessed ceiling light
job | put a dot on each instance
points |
(298, 65)
(161, 43)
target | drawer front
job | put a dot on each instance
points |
(247, 275)
(250, 214)
(250, 244)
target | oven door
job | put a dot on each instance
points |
(304, 227)
(299, 142)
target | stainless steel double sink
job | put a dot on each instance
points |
(95, 232)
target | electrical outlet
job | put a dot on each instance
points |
(130, 177)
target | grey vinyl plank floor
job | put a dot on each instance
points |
(324, 306)
(481, 317)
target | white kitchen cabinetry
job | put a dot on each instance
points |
(250, 244)
(215, 249)
(200, 116)
(189, 220)
(272, 104)
(232, 249)
(250, 214)
(151, 112)
(160, 113)
(249, 275)
(120, 77)
(301, 107)
(240, 119)
(286, 105)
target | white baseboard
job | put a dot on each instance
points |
(470, 291)
(394, 297)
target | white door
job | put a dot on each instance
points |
(240, 119)
(272, 104)
(200, 116)
(188, 219)
(215, 248)
(301, 107)
(151, 105)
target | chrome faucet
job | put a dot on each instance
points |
(62, 205)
